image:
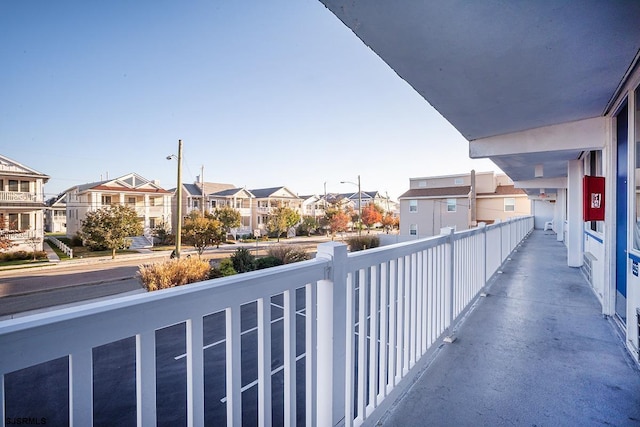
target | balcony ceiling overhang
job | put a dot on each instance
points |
(496, 67)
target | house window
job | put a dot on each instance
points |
(458, 181)
(1, 185)
(195, 204)
(131, 201)
(413, 229)
(509, 204)
(413, 205)
(213, 204)
(25, 222)
(106, 200)
(451, 205)
(152, 223)
(24, 186)
(422, 183)
(238, 204)
(13, 185)
(152, 201)
(13, 221)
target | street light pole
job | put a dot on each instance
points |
(178, 199)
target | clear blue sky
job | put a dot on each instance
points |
(263, 94)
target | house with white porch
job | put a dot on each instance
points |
(21, 204)
(148, 198)
(266, 200)
(55, 214)
(239, 199)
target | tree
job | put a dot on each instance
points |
(371, 215)
(229, 217)
(162, 232)
(281, 220)
(338, 220)
(389, 222)
(308, 225)
(5, 236)
(202, 231)
(109, 227)
(34, 243)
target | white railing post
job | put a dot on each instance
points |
(483, 227)
(332, 336)
(449, 280)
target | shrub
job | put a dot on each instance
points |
(358, 243)
(243, 260)
(175, 272)
(225, 268)
(267, 262)
(75, 241)
(22, 255)
(288, 253)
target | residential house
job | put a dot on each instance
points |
(314, 206)
(21, 204)
(151, 202)
(240, 199)
(195, 197)
(267, 199)
(432, 203)
(55, 214)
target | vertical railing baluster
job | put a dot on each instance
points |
(362, 341)
(81, 388)
(264, 361)
(234, 366)
(146, 378)
(413, 336)
(406, 350)
(289, 358)
(311, 342)
(195, 372)
(373, 336)
(350, 349)
(393, 345)
(384, 320)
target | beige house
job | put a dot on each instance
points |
(151, 202)
(239, 199)
(21, 204)
(267, 199)
(432, 203)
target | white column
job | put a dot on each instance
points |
(559, 214)
(575, 223)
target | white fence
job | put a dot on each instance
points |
(63, 247)
(366, 319)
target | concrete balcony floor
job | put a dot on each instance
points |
(535, 352)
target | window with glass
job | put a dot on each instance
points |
(413, 229)
(593, 167)
(106, 200)
(509, 204)
(24, 186)
(13, 185)
(413, 205)
(25, 221)
(451, 205)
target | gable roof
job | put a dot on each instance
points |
(505, 190)
(263, 193)
(195, 190)
(12, 167)
(231, 192)
(440, 192)
(131, 182)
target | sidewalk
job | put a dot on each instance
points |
(536, 352)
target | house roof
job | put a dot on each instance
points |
(262, 193)
(505, 190)
(440, 192)
(130, 183)
(12, 167)
(230, 192)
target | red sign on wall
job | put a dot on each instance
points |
(593, 198)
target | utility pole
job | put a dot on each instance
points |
(179, 201)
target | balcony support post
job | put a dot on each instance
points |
(332, 339)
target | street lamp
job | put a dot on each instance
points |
(359, 203)
(178, 198)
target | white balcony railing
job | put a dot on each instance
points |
(19, 196)
(369, 319)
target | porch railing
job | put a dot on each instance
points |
(19, 196)
(368, 319)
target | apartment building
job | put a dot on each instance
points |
(459, 201)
